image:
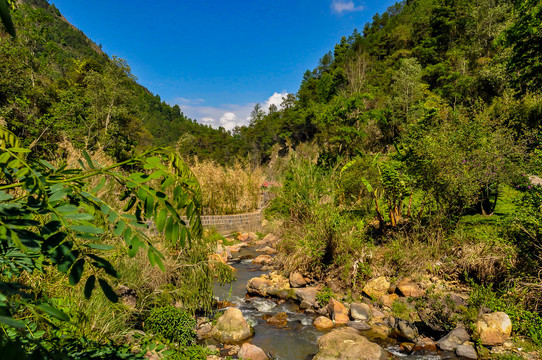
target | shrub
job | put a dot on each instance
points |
(524, 322)
(173, 324)
(323, 296)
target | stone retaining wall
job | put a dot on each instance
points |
(227, 224)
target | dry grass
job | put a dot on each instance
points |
(229, 190)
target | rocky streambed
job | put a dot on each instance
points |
(269, 316)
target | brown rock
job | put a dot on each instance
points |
(267, 240)
(407, 346)
(347, 344)
(409, 288)
(237, 247)
(248, 237)
(375, 288)
(278, 320)
(267, 250)
(493, 329)
(297, 280)
(251, 352)
(339, 313)
(424, 344)
(274, 285)
(323, 323)
(263, 260)
(388, 299)
(230, 350)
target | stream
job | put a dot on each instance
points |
(298, 340)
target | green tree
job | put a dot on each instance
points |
(524, 36)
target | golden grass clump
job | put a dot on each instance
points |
(229, 190)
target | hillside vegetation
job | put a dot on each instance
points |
(412, 150)
(57, 85)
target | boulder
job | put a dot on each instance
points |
(263, 260)
(466, 351)
(381, 331)
(424, 344)
(323, 323)
(251, 352)
(267, 250)
(273, 285)
(248, 237)
(388, 299)
(409, 288)
(375, 288)
(307, 294)
(406, 330)
(360, 311)
(456, 337)
(232, 327)
(339, 313)
(297, 280)
(493, 329)
(278, 320)
(267, 240)
(359, 325)
(237, 247)
(347, 344)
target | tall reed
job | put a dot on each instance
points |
(229, 190)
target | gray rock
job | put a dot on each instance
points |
(360, 311)
(467, 351)
(406, 330)
(359, 325)
(307, 294)
(456, 337)
(305, 305)
(232, 327)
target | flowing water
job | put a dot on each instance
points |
(296, 341)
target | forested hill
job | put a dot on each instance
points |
(420, 56)
(58, 85)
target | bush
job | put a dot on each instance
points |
(524, 322)
(323, 296)
(173, 324)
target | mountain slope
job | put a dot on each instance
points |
(57, 84)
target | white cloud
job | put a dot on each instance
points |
(275, 99)
(340, 6)
(185, 101)
(227, 116)
(228, 120)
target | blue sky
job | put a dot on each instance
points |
(216, 59)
